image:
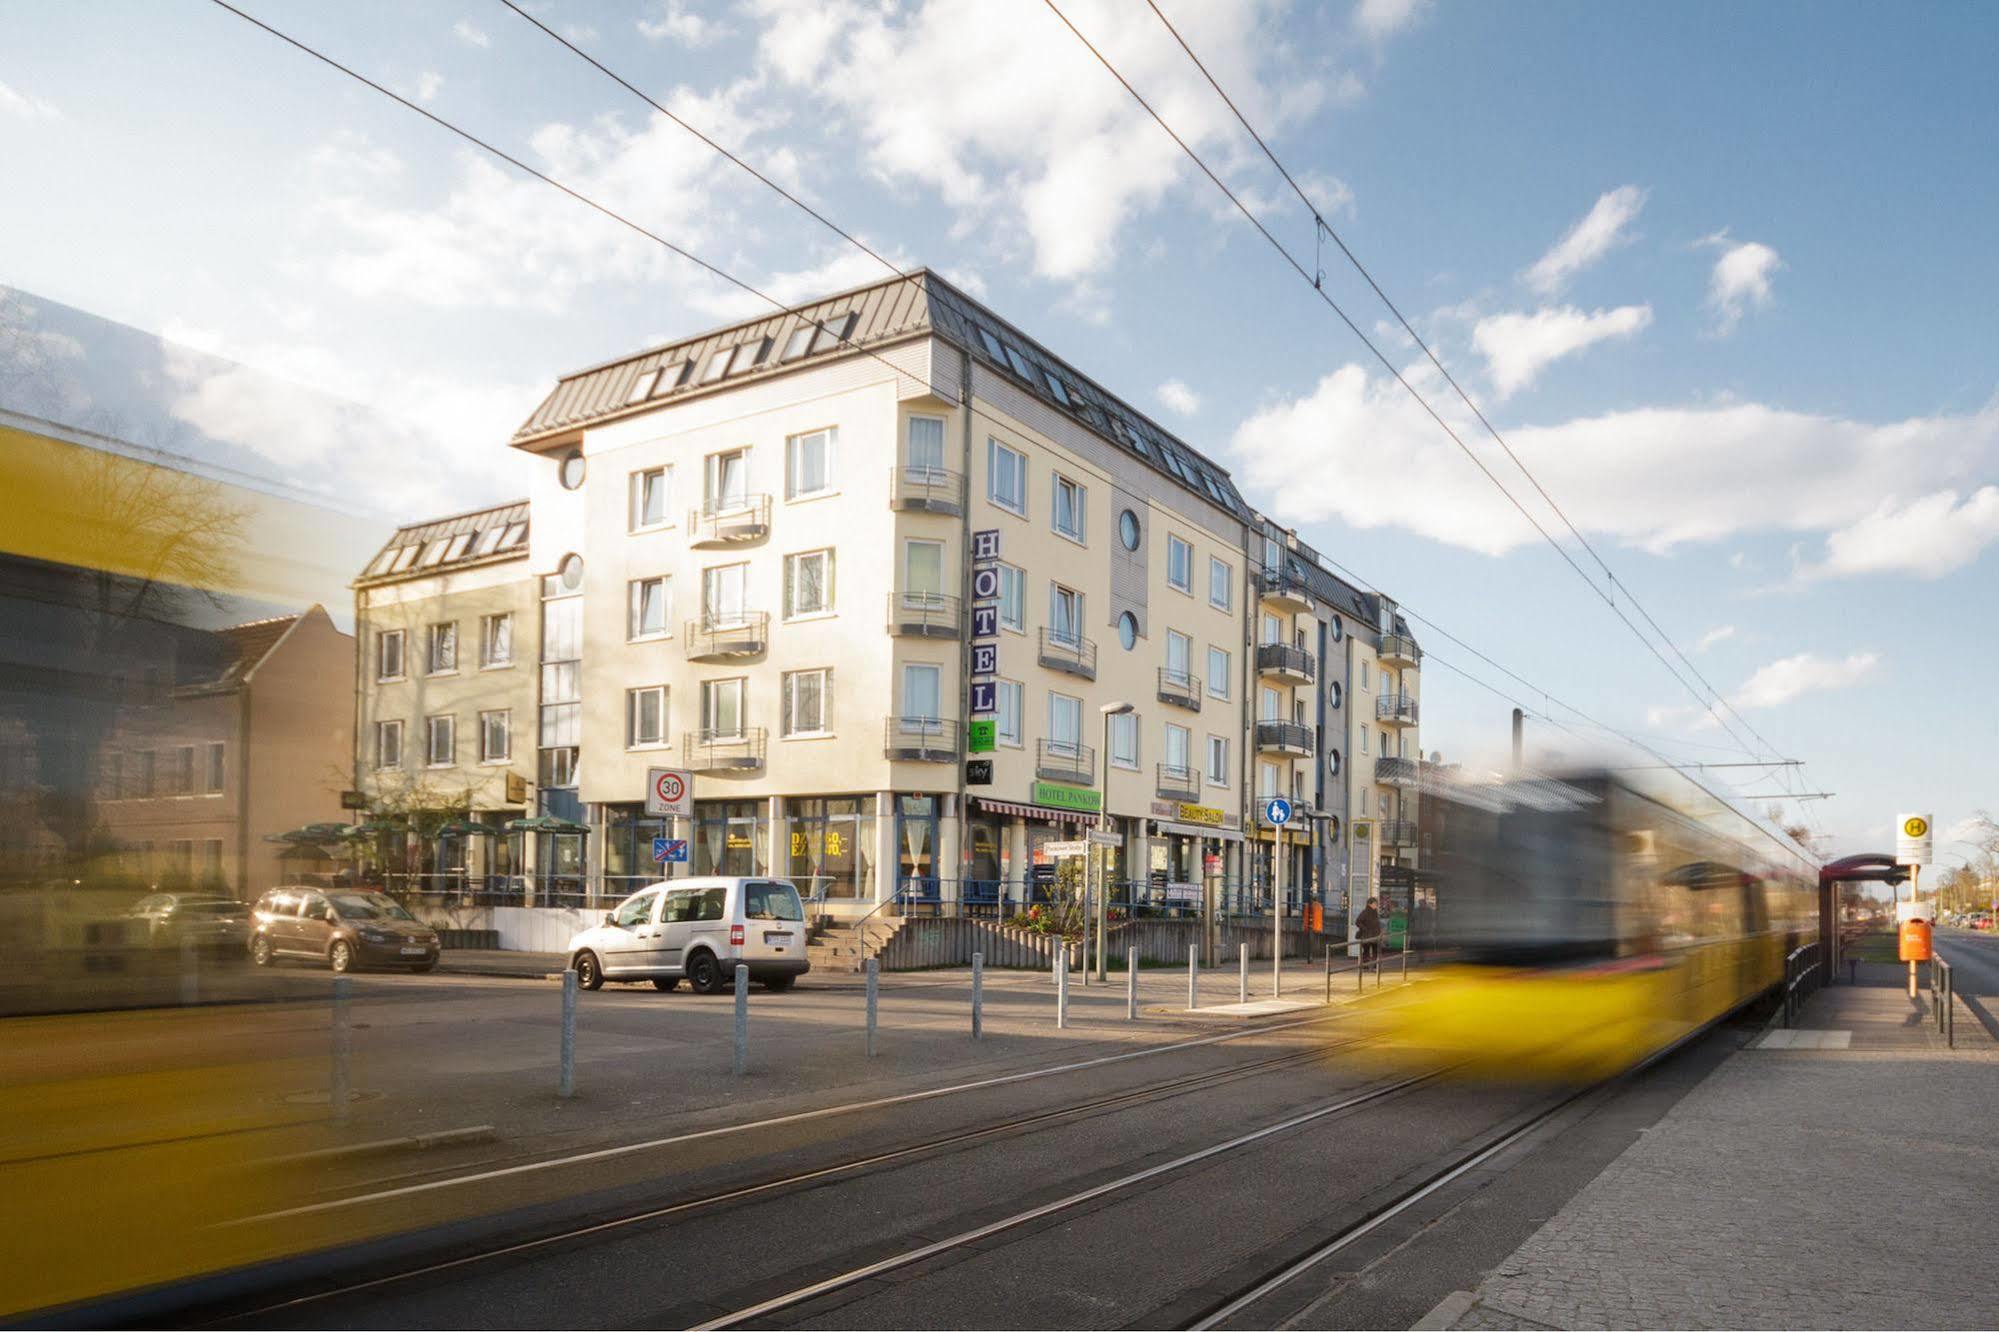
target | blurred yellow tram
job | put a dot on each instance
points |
(1591, 919)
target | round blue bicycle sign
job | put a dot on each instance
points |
(1277, 811)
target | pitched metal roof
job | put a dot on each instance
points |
(490, 536)
(863, 319)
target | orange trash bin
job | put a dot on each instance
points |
(1914, 941)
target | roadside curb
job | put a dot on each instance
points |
(457, 1137)
(1447, 1312)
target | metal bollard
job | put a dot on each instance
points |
(978, 996)
(874, 996)
(1062, 988)
(1131, 984)
(1329, 973)
(1193, 977)
(567, 1087)
(1242, 987)
(742, 1018)
(343, 1050)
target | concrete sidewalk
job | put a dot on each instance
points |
(1846, 1180)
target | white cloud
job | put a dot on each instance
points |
(1651, 476)
(1517, 347)
(1381, 19)
(428, 85)
(1014, 124)
(680, 23)
(26, 105)
(1782, 681)
(1177, 397)
(1927, 537)
(1599, 231)
(1715, 635)
(471, 35)
(1741, 279)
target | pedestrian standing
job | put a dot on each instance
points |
(1367, 929)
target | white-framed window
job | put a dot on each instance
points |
(1363, 675)
(389, 654)
(922, 690)
(651, 498)
(1273, 554)
(496, 640)
(725, 594)
(809, 463)
(1269, 705)
(496, 735)
(1007, 694)
(1012, 598)
(1269, 628)
(1065, 614)
(1006, 477)
(1267, 781)
(645, 717)
(649, 608)
(922, 568)
(1218, 760)
(1179, 564)
(1221, 584)
(808, 583)
(388, 745)
(440, 741)
(440, 654)
(808, 702)
(1219, 671)
(1065, 721)
(925, 452)
(1179, 653)
(1070, 508)
(725, 482)
(1124, 740)
(214, 767)
(722, 713)
(1384, 804)
(1179, 747)
(1363, 740)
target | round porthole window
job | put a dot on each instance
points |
(573, 469)
(570, 571)
(1333, 694)
(1127, 630)
(1332, 763)
(1127, 529)
(1339, 631)
(1333, 830)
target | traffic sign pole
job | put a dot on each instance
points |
(1277, 922)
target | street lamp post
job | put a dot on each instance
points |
(1109, 710)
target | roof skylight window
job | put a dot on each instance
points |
(458, 546)
(1055, 386)
(404, 558)
(749, 356)
(383, 561)
(833, 332)
(993, 347)
(1019, 363)
(718, 365)
(798, 343)
(433, 551)
(673, 379)
(514, 534)
(642, 387)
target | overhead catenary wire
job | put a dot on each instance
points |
(1393, 370)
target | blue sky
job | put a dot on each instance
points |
(1720, 273)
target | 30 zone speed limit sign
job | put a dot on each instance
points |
(670, 792)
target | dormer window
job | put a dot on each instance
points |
(642, 387)
(833, 332)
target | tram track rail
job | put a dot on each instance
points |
(804, 1179)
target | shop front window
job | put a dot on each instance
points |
(916, 841)
(832, 846)
(729, 837)
(628, 834)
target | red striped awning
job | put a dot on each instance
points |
(1044, 812)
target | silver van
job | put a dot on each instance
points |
(697, 930)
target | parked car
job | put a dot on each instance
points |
(344, 928)
(214, 925)
(697, 930)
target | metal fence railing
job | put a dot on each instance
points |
(1803, 974)
(1943, 1000)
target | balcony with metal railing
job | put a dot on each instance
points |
(1402, 772)
(917, 489)
(1283, 737)
(1396, 832)
(1400, 650)
(1180, 689)
(920, 739)
(728, 520)
(1395, 710)
(1179, 781)
(1061, 761)
(1282, 661)
(723, 637)
(740, 750)
(1072, 654)
(925, 615)
(1285, 590)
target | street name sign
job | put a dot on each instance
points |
(1063, 850)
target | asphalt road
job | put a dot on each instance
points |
(1158, 1253)
(1974, 959)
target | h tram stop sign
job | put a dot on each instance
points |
(1914, 837)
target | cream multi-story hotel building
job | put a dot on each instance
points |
(911, 597)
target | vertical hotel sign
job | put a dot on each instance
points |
(984, 646)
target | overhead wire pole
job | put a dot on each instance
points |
(1429, 410)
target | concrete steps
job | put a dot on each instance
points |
(841, 949)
